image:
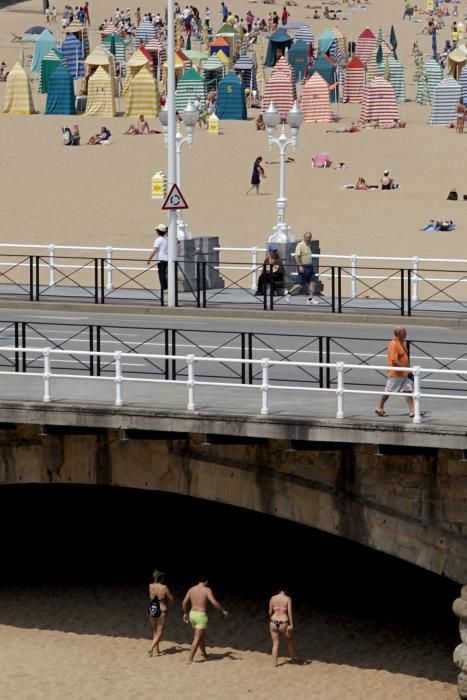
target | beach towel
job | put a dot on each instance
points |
(439, 227)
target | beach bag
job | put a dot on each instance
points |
(154, 609)
(453, 196)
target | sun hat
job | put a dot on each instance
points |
(161, 228)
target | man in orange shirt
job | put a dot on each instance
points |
(398, 381)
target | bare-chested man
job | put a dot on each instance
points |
(199, 597)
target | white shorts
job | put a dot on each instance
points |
(398, 385)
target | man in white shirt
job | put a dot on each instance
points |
(161, 253)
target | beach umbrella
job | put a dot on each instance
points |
(434, 44)
(393, 41)
(35, 30)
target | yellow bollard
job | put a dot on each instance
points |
(213, 125)
(158, 186)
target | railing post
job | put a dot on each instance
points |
(340, 389)
(118, 377)
(31, 278)
(417, 416)
(264, 386)
(46, 354)
(415, 278)
(409, 292)
(198, 284)
(254, 268)
(204, 264)
(109, 268)
(354, 261)
(333, 289)
(402, 292)
(339, 290)
(51, 264)
(190, 360)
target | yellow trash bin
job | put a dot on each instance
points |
(159, 185)
(213, 125)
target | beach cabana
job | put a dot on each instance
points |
(156, 48)
(298, 58)
(61, 93)
(48, 64)
(115, 40)
(446, 96)
(80, 31)
(366, 43)
(230, 103)
(144, 32)
(279, 41)
(213, 71)
(72, 49)
(377, 62)
(280, 88)
(326, 67)
(341, 41)
(228, 33)
(354, 80)
(304, 34)
(379, 102)
(395, 75)
(220, 44)
(101, 95)
(43, 45)
(327, 44)
(190, 85)
(456, 61)
(142, 93)
(18, 94)
(434, 75)
(463, 82)
(245, 67)
(315, 103)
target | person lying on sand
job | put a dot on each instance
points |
(354, 128)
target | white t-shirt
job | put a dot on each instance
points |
(161, 246)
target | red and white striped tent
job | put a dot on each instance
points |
(354, 81)
(280, 88)
(315, 100)
(365, 45)
(379, 102)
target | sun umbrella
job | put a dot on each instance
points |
(434, 44)
(393, 41)
(35, 30)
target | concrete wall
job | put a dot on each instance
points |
(413, 507)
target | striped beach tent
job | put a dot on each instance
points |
(72, 49)
(315, 100)
(463, 82)
(190, 85)
(61, 93)
(213, 71)
(18, 94)
(279, 41)
(305, 34)
(354, 81)
(101, 95)
(49, 63)
(158, 51)
(231, 36)
(43, 45)
(144, 32)
(446, 96)
(280, 88)
(395, 75)
(142, 93)
(434, 75)
(298, 58)
(79, 30)
(120, 46)
(375, 67)
(366, 43)
(341, 40)
(110, 28)
(379, 102)
(325, 66)
(230, 103)
(327, 44)
(246, 69)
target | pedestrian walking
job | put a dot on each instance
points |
(398, 381)
(198, 599)
(159, 596)
(161, 253)
(460, 119)
(305, 269)
(257, 174)
(281, 624)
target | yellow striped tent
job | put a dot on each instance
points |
(101, 96)
(141, 88)
(18, 96)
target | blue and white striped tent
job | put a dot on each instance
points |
(61, 93)
(72, 49)
(395, 75)
(328, 45)
(463, 82)
(432, 74)
(304, 34)
(245, 67)
(144, 32)
(447, 95)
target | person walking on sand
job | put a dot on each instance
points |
(257, 174)
(159, 595)
(198, 598)
(281, 623)
(398, 381)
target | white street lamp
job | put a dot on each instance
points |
(171, 155)
(281, 231)
(189, 118)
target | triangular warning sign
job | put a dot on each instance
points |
(175, 199)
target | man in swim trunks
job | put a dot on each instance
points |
(199, 597)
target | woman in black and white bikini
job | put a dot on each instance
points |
(159, 595)
(281, 623)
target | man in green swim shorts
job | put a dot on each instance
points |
(199, 597)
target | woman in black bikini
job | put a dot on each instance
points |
(159, 594)
(281, 623)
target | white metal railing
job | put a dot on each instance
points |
(265, 387)
(353, 260)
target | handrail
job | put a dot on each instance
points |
(265, 363)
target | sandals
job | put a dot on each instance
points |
(412, 415)
(381, 412)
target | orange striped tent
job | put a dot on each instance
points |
(280, 88)
(354, 81)
(365, 45)
(379, 102)
(315, 100)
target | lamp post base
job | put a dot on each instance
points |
(183, 232)
(281, 234)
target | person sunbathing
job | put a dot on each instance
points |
(101, 137)
(260, 125)
(139, 128)
(361, 184)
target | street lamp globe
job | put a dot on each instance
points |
(271, 118)
(164, 115)
(295, 117)
(190, 116)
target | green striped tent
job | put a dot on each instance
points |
(395, 75)
(49, 63)
(432, 75)
(120, 46)
(190, 85)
